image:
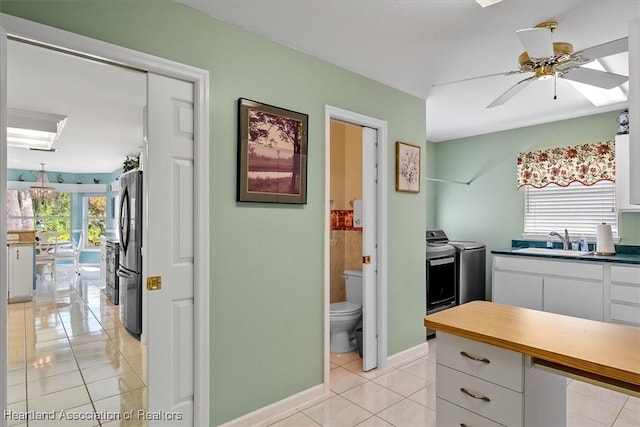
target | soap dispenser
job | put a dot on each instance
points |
(584, 246)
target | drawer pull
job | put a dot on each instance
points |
(475, 396)
(479, 359)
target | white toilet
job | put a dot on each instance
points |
(345, 316)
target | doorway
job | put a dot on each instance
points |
(373, 135)
(195, 181)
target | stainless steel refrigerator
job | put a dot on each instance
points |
(130, 268)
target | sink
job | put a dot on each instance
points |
(547, 251)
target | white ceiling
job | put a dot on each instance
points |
(409, 45)
(103, 103)
(412, 45)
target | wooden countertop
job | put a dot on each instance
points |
(604, 353)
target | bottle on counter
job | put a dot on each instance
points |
(584, 246)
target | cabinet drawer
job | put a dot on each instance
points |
(622, 293)
(500, 366)
(492, 401)
(448, 414)
(578, 270)
(625, 274)
(624, 313)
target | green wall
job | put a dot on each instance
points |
(267, 260)
(491, 208)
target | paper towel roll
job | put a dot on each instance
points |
(604, 240)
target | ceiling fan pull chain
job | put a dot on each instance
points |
(555, 86)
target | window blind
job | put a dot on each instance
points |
(577, 207)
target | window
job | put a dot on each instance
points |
(23, 213)
(577, 207)
(94, 219)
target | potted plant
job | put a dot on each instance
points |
(131, 163)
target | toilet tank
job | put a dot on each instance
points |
(353, 285)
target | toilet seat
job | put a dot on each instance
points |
(344, 308)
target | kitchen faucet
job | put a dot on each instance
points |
(565, 238)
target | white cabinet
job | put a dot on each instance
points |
(577, 298)
(634, 109)
(480, 384)
(625, 295)
(519, 289)
(623, 171)
(557, 286)
(20, 277)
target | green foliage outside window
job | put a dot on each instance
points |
(96, 219)
(55, 214)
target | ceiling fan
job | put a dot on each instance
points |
(548, 59)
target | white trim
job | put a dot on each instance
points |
(51, 36)
(63, 188)
(3, 234)
(408, 354)
(381, 218)
(278, 410)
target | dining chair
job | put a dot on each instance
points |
(47, 250)
(72, 253)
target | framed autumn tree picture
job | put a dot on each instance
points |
(272, 154)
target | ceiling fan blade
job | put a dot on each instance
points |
(511, 92)
(537, 42)
(604, 49)
(508, 73)
(596, 78)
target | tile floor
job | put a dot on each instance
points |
(404, 396)
(68, 351)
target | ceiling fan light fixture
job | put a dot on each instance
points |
(545, 73)
(561, 53)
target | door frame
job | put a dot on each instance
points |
(335, 113)
(103, 51)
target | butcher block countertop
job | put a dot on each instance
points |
(606, 354)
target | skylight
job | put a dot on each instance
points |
(485, 3)
(30, 129)
(598, 96)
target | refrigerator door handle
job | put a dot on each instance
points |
(124, 274)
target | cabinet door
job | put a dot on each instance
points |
(521, 290)
(623, 175)
(576, 298)
(20, 269)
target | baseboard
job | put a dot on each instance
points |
(277, 410)
(408, 354)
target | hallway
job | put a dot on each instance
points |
(68, 351)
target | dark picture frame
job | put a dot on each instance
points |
(272, 154)
(407, 167)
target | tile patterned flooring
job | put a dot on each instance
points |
(68, 351)
(405, 396)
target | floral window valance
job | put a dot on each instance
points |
(587, 164)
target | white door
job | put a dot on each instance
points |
(3, 235)
(369, 249)
(169, 247)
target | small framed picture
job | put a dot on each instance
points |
(407, 167)
(272, 154)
